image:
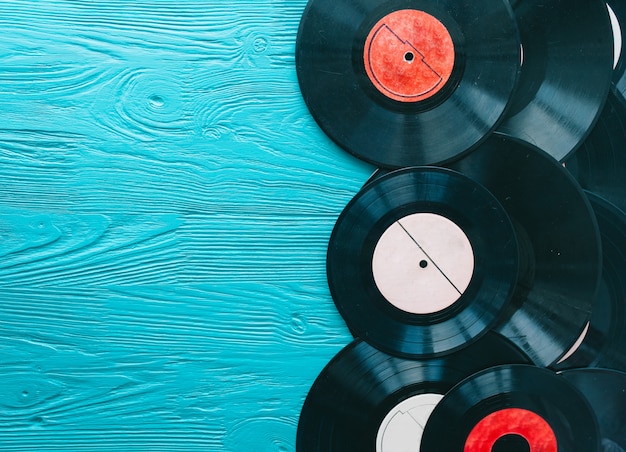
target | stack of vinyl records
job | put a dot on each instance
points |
(482, 268)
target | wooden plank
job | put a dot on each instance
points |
(166, 206)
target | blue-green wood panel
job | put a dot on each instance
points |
(166, 203)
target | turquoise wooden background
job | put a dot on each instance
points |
(166, 203)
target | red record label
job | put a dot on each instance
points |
(409, 55)
(511, 421)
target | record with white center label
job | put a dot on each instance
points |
(422, 262)
(369, 401)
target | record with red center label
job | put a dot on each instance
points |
(366, 400)
(393, 62)
(565, 76)
(512, 408)
(422, 262)
(559, 242)
(407, 82)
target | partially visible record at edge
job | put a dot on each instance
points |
(560, 249)
(599, 164)
(422, 262)
(378, 172)
(605, 390)
(508, 404)
(619, 74)
(604, 344)
(407, 82)
(565, 75)
(355, 402)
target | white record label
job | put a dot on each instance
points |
(423, 263)
(617, 36)
(402, 428)
(577, 344)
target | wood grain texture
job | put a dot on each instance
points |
(166, 203)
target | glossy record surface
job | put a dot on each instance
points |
(385, 132)
(559, 244)
(565, 75)
(605, 343)
(388, 199)
(355, 391)
(605, 390)
(599, 164)
(531, 388)
(619, 74)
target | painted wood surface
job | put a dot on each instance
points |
(166, 203)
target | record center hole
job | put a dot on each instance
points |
(422, 263)
(511, 443)
(408, 57)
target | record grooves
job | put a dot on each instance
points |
(604, 345)
(486, 256)
(407, 82)
(605, 390)
(565, 76)
(519, 400)
(560, 248)
(600, 163)
(619, 73)
(395, 279)
(355, 392)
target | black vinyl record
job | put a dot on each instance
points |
(422, 261)
(559, 244)
(619, 73)
(566, 73)
(407, 82)
(525, 407)
(599, 164)
(604, 344)
(605, 390)
(349, 401)
(378, 172)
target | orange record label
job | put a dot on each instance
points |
(409, 55)
(512, 421)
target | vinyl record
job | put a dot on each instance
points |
(619, 73)
(599, 164)
(422, 261)
(559, 244)
(407, 82)
(566, 73)
(512, 408)
(604, 344)
(378, 172)
(367, 400)
(605, 390)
